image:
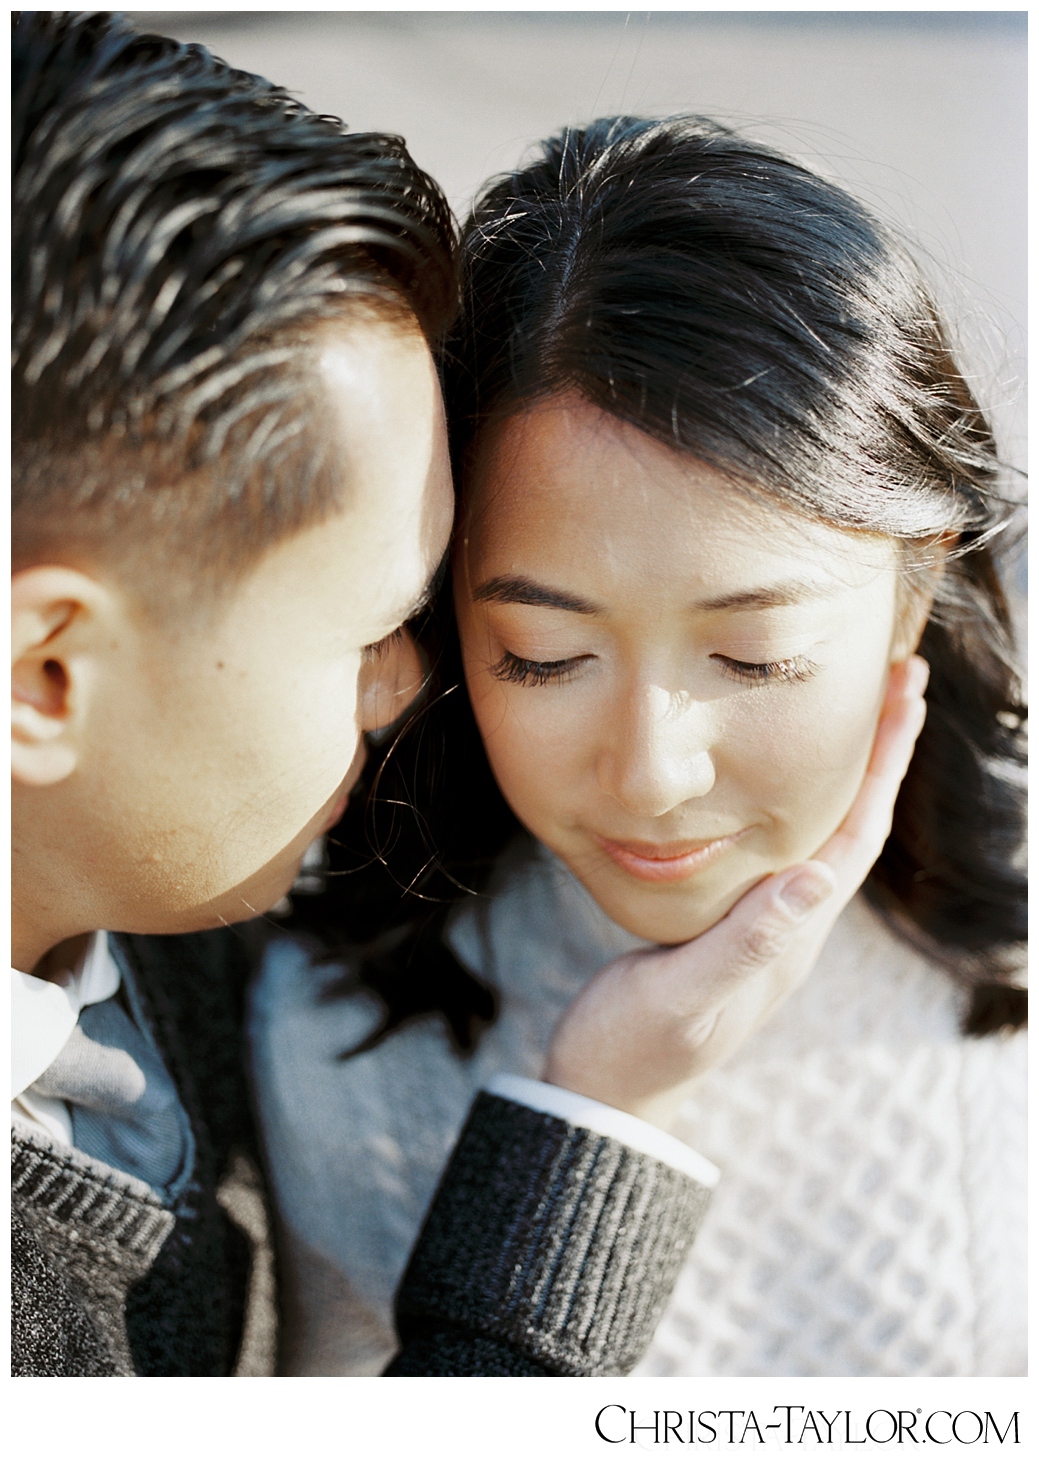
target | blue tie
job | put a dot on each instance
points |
(124, 1106)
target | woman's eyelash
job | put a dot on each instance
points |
(510, 668)
(792, 669)
(528, 673)
(378, 648)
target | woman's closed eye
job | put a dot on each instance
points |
(790, 669)
(527, 673)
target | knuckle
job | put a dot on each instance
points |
(698, 1031)
(762, 942)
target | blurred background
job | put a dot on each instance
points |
(921, 114)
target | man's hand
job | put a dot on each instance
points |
(652, 1022)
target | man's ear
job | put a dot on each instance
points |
(57, 616)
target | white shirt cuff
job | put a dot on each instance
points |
(589, 1114)
(46, 1113)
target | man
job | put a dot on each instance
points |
(230, 489)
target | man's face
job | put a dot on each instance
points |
(219, 751)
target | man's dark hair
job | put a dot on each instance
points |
(181, 232)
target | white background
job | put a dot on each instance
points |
(921, 114)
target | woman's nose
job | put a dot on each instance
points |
(658, 756)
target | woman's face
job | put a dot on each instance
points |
(677, 686)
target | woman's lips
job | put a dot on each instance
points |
(676, 861)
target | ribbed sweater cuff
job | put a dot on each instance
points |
(547, 1240)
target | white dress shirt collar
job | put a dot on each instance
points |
(44, 1013)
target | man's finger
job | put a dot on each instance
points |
(757, 930)
(855, 846)
(787, 901)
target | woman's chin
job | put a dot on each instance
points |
(670, 918)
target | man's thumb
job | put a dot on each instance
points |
(805, 888)
(762, 921)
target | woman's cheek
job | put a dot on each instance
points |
(532, 748)
(805, 759)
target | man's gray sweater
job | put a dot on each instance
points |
(547, 1250)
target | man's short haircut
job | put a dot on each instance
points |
(181, 232)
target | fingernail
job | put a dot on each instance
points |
(806, 890)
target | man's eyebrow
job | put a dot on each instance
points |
(517, 590)
(763, 598)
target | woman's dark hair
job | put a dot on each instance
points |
(740, 309)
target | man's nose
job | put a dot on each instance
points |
(391, 678)
(656, 753)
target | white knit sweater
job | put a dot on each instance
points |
(870, 1219)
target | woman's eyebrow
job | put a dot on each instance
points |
(763, 598)
(517, 590)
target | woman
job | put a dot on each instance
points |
(719, 479)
